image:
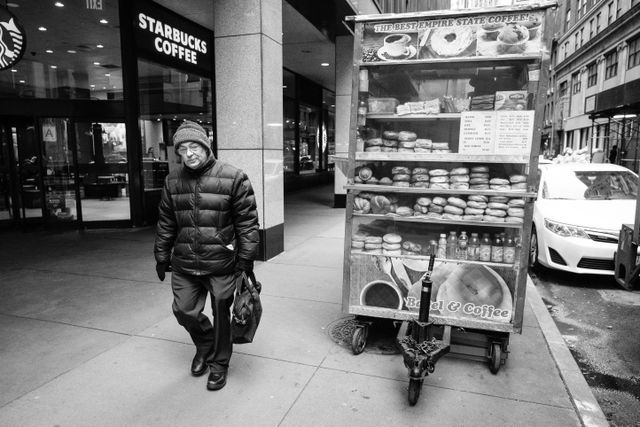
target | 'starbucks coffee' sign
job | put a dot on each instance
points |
(12, 39)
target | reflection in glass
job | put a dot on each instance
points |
(309, 139)
(60, 178)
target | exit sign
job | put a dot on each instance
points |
(94, 4)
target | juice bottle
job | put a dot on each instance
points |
(509, 253)
(497, 250)
(442, 246)
(473, 250)
(452, 245)
(463, 243)
(485, 247)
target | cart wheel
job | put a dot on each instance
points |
(496, 358)
(414, 390)
(359, 339)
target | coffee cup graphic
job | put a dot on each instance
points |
(396, 45)
(380, 293)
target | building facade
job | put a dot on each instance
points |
(594, 95)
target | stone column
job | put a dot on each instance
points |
(248, 83)
(344, 66)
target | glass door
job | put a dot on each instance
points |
(8, 190)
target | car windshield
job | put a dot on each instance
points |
(590, 185)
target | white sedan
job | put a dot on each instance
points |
(578, 215)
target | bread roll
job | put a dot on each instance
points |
(355, 244)
(400, 169)
(388, 149)
(417, 209)
(478, 181)
(519, 186)
(373, 142)
(392, 238)
(373, 239)
(359, 237)
(499, 181)
(517, 212)
(380, 204)
(480, 169)
(478, 198)
(389, 134)
(420, 177)
(459, 186)
(476, 205)
(420, 171)
(357, 180)
(515, 203)
(436, 208)
(401, 184)
(458, 178)
(517, 178)
(496, 205)
(365, 173)
(438, 172)
(459, 171)
(439, 186)
(479, 186)
(385, 181)
(421, 184)
(439, 145)
(500, 187)
(407, 136)
(457, 202)
(423, 143)
(473, 211)
(453, 210)
(422, 150)
(372, 149)
(405, 150)
(472, 217)
(495, 212)
(479, 175)
(404, 211)
(450, 216)
(389, 142)
(440, 201)
(439, 179)
(401, 177)
(489, 218)
(407, 144)
(423, 201)
(514, 219)
(411, 246)
(372, 181)
(498, 199)
(434, 215)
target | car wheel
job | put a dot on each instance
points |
(533, 249)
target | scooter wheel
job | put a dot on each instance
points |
(414, 391)
(359, 339)
(496, 358)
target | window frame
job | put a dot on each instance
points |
(592, 74)
(611, 67)
(563, 88)
(633, 58)
(576, 83)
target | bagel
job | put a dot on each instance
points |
(436, 208)
(438, 172)
(479, 187)
(475, 181)
(472, 217)
(499, 181)
(515, 203)
(459, 171)
(440, 201)
(439, 179)
(457, 202)
(372, 246)
(355, 244)
(400, 169)
(439, 186)
(517, 212)
(500, 187)
(401, 177)
(373, 239)
(389, 134)
(496, 205)
(373, 142)
(499, 199)
(453, 217)
(480, 169)
(478, 198)
(423, 201)
(473, 211)
(420, 171)
(495, 212)
(407, 144)
(459, 186)
(389, 143)
(392, 238)
(479, 175)
(391, 246)
(453, 210)
(514, 219)
(407, 136)
(517, 178)
(419, 177)
(359, 237)
(476, 205)
(458, 178)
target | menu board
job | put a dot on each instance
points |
(496, 34)
(496, 132)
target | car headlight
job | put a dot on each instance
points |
(565, 230)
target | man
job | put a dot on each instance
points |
(208, 218)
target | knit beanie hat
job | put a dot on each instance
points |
(191, 132)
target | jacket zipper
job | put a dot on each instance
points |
(196, 215)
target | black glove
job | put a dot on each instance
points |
(161, 269)
(244, 265)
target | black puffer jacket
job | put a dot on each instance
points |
(209, 218)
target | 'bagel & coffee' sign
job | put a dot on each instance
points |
(12, 39)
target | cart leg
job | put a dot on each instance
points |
(359, 338)
(415, 386)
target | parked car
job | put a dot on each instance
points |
(578, 215)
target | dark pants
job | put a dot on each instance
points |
(189, 297)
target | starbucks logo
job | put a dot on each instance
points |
(12, 39)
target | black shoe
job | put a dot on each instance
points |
(198, 365)
(216, 380)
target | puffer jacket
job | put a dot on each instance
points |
(209, 219)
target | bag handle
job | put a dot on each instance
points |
(249, 279)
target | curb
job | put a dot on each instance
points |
(584, 402)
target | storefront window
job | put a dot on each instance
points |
(309, 139)
(82, 63)
(60, 177)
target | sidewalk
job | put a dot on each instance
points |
(88, 338)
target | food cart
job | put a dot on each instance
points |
(441, 176)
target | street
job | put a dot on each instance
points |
(599, 322)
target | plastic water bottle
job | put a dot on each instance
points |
(473, 250)
(452, 245)
(485, 247)
(463, 242)
(442, 247)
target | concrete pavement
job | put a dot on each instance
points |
(88, 338)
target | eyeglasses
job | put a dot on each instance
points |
(195, 149)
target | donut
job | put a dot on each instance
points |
(499, 199)
(454, 217)
(478, 198)
(419, 178)
(401, 177)
(495, 212)
(389, 134)
(496, 205)
(392, 238)
(476, 205)
(459, 171)
(473, 211)
(457, 202)
(420, 171)
(407, 136)
(517, 212)
(373, 142)
(440, 201)
(355, 244)
(400, 169)
(391, 246)
(451, 41)
(453, 210)
(517, 178)
(423, 201)
(515, 203)
(407, 144)
(438, 172)
(480, 169)
(373, 239)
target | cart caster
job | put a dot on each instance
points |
(414, 390)
(359, 339)
(496, 358)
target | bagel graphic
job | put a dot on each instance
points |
(12, 40)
